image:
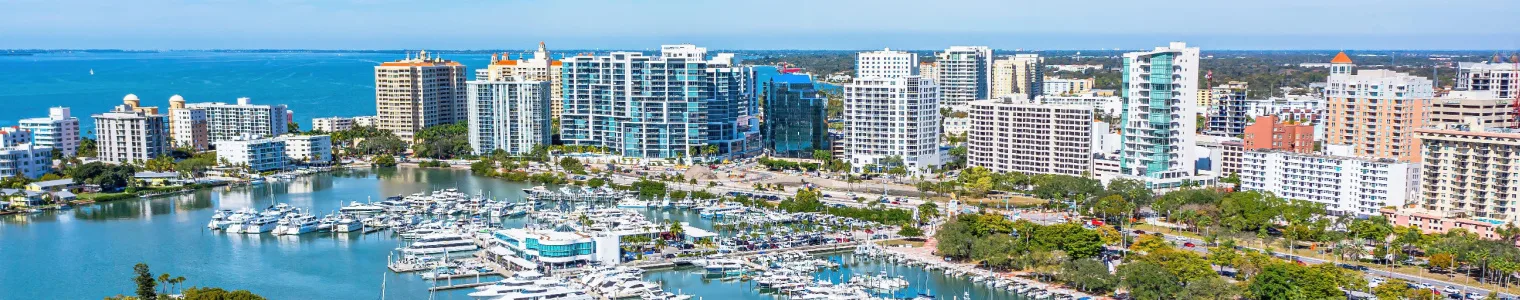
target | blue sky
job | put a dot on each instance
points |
(766, 24)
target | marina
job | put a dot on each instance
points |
(332, 259)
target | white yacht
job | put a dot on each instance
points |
(634, 288)
(296, 224)
(438, 245)
(256, 225)
(347, 223)
(514, 284)
(556, 292)
(723, 267)
(362, 208)
(632, 203)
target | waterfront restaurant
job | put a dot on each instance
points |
(556, 249)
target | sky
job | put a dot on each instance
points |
(765, 24)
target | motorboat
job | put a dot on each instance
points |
(633, 203)
(261, 224)
(346, 223)
(296, 224)
(362, 208)
(441, 245)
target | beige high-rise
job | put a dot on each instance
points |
(1375, 112)
(418, 92)
(1018, 74)
(541, 67)
(1467, 172)
(187, 126)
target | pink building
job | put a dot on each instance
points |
(1431, 222)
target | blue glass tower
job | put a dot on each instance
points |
(795, 117)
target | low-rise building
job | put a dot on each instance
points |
(1055, 86)
(1351, 186)
(56, 185)
(1270, 133)
(308, 149)
(364, 121)
(157, 178)
(332, 124)
(14, 135)
(1484, 106)
(559, 249)
(25, 160)
(259, 155)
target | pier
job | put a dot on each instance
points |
(684, 261)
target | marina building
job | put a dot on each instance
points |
(130, 134)
(1064, 87)
(308, 149)
(26, 160)
(1500, 77)
(890, 118)
(540, 67)
(418, 92)
(964, 75)
(1018, 74)
(886, 64)
(673, 105)
(332, 124)
(559, 248)
(257, 154)
(1012, 135)
(1467, 172)
(510, 115)
(1347, 186)
(1375, 112)
(14, 135)
(1158, 127)
(59, 130)
(1269, 133)
(1485, 106)
(795, 117)
(188, 127)
(229, 121)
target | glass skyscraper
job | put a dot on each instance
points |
(795, 117)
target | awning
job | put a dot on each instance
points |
(525, 264)
(499, 251)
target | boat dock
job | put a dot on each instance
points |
(684, 261)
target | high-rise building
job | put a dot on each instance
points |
(129, 134)
(229, 121)
(795, 117)
(332, 124)
(965, 75)
(1347, 186)
(678, 104)
(1467, 172)
(928, 70)
(509, 114)
(14, 135)
(258, 154)
(890, 118)
(26, 160)
(1270, 133)
(308, 149)
(1065, 87)
(1228, 116)
(188, 127)
(1160, 102)
(1456, 106)
(1501, 77)
(58, 130)
(1375, 112)
(541, 67)
(418, 92)
(886, 64)
(1019, 74)
(1009, 135)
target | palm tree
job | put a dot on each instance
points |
(176, 281)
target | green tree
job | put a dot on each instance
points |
(572, 165)
(928, 210)
(1211, 287)
(910, 231)
(211, 293)
(145, 282)
(385, 161)
(1088, 275)
(293, 128)
(1149, 281)
(1394, 289)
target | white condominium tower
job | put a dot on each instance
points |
(127, 134)
(418, 92)
(890, 118)
(188, 127)
(1501, 77)
(229, 121)
(509, 115)
(681, 103)
(1021, 73)
(886, 64)
(540, 67)
(965, 75)
(58, 130)
(1011, 134)
(1160, 101)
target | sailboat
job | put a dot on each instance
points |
(92, 71)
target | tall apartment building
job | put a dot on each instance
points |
(964, 74)
(1268, 132)
(1205, 98)
(1468, 172)
(1501, 77)
(510, 114)
(258, 154)
(126, 134)
(1375, 112)
(1009, 135)
(1229, 113)
(308, 149)
(188, 127)
(418, 92)
(1110, 105)
(59, 130)
(1063, 86)
(886, 64)
(1158, 126)
(1346, 185)
(1456, 106)
(26, 160)
(795, 117)
(541, 67)
(230, 121)
(332, 124)
(665, 106)
(14, 135)
(929, 70)
(892, 117)
(1018, 74)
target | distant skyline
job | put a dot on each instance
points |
(775, 24)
